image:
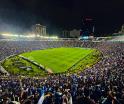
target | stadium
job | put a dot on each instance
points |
(61, 52)
(56, 67)
(60, 57)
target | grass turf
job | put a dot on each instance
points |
(8, 65)
(58, 59)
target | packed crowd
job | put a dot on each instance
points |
(101, 84)
(8, 48)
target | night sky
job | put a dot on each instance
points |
(20, 15)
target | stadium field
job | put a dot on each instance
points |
(53, 60)
(57, 60)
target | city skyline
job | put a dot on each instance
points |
(20, 15)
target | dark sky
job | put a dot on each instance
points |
(108, 15)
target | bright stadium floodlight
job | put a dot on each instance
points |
(49, 37)
(31, 36)
(54, 37)
(7, 34)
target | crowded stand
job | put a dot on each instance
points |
(101, 84)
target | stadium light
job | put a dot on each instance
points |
(8, 34)
(28, 36)
(49, 37)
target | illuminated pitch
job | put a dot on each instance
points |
(55, 60)
(58, 59)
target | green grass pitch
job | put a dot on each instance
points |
(58, 59)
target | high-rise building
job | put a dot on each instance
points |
(39, 30)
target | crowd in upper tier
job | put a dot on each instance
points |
(101, 84)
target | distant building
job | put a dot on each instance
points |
(122, 29)
(66, 34)
(39, 30)
(74, 33)
(71, 34)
